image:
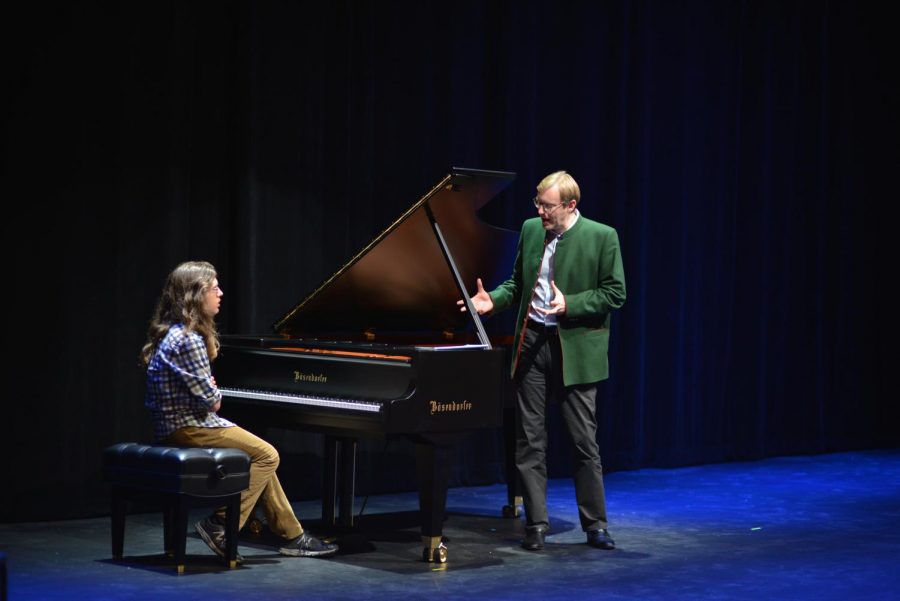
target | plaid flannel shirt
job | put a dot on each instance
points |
(180, 389)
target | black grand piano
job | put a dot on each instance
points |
(381, 349)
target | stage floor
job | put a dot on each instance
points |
(810, 527)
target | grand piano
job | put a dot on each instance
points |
(381, 349)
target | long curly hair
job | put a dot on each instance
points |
(182, 301)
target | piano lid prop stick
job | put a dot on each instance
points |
(476, 319)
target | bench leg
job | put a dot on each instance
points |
(178, 534)
(118, 509)
(232, 520)
(168, 529)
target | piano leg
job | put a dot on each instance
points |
(339, 486)
(348, 482)
(432, 471)
(330, 476)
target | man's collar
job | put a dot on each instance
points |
(571, 225)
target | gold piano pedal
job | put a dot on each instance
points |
(513, 511)
(435, 551)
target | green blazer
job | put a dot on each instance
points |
(588, 271)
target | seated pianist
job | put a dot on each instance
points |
(183, 400)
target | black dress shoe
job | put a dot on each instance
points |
(600, 539)
(534, 538)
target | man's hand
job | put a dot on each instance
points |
(557, 305)
(481, 301)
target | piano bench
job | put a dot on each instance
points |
(176, 479)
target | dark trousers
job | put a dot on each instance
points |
(538, 381)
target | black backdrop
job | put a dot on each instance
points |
(745, 151)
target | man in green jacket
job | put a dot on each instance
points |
(567, 280)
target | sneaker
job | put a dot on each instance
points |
(307, 545)
(213, 534)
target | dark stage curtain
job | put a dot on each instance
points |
(745, 151)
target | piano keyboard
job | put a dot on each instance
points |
(297, 399)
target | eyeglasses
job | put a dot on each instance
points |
(544, 206)
(215, 289)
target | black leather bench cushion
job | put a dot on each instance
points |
(201, 472)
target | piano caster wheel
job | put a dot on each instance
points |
(511, 511)
(435, 555)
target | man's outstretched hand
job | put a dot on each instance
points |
(481, 301)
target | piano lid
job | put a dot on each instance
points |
(401, 282)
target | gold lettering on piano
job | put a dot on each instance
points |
(299, 376)
(452, 406)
